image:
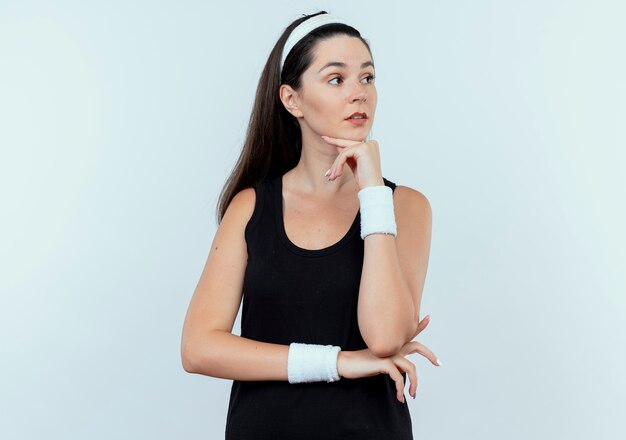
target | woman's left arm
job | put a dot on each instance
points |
(393, 275)
(394, 268)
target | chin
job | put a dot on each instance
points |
(358, 135)
(355, 133)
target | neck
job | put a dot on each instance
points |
(308, 176)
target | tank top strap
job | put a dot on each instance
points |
(267, 207)
(390, 184)
(259, 190)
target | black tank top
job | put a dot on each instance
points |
(291, 294)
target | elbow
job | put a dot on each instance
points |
(383, 349)
(196, 354)
(187, 364)
(385, 345)
(187, 358)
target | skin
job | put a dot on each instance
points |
(394, 268)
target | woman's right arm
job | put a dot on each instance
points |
(208, 347)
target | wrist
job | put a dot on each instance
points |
(341, 360)
(377, 210)
(312, 362)
(375, 182)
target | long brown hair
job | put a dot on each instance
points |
(273, 140)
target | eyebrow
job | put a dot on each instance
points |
(343, 65)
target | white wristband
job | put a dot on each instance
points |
(312, 363)
(377, 215)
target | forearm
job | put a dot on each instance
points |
(386, 311)
(228, 356)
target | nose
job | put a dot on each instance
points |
(358, 93)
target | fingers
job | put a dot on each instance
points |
(341, 142)
(337, 169)
(408, 367)
(344, 153)
(349, 151)
(416, 347)
(395, 375)
(422, 324)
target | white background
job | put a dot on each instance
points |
(120, 121)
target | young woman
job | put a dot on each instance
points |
(328, 316)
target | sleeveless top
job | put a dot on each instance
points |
(292, 294)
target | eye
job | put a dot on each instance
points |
(331, 81)
(371, 79)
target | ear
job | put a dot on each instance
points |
(289, 98)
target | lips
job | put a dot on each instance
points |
(357, 115)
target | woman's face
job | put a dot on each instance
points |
(338, 83)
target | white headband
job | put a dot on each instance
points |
(303, 29)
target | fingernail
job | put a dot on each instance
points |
(327, 173)
(438, 362)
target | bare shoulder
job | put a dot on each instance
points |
(410, 202)
(240, 208)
